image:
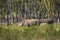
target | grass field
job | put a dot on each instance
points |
(45, 32)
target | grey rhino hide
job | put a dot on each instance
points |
(48, 21)
(29, 22)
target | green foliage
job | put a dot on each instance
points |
(57, 1)
(28, 8)
(13, 32)
(49, 5)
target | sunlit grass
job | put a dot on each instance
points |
(14, 32)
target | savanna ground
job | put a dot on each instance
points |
(45, 32)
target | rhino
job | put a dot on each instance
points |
(48, 21)
(29, 22)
